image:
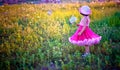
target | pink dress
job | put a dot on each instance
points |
(87, 38)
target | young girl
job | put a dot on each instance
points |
(84, 36)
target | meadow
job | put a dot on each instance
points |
(35, 37)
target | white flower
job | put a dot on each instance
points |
(72, 19)
(49, 12)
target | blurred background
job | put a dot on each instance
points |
(50, 1)
(34, 35)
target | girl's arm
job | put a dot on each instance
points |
(85, 23)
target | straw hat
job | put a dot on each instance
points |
(85, 10)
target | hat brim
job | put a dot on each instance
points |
(85, 12)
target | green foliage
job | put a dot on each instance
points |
(114, 20)
(108, 27)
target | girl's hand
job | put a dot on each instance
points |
(77, 25)
(79, 33)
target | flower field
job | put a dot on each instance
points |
(35, 37)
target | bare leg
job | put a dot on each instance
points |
(87, 49)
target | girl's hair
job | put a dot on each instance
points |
(84, 14)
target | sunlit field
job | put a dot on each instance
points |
(35, 37)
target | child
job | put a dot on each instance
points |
(84, 36)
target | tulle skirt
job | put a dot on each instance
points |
(87, 38)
